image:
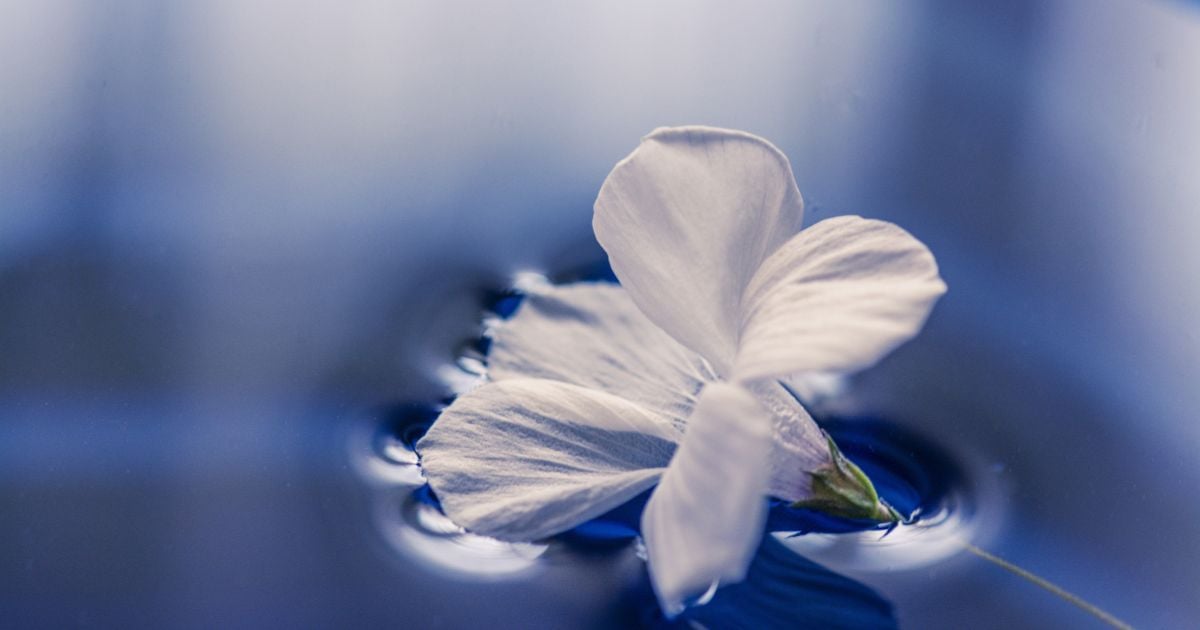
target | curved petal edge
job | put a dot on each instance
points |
(686, 219)
(705, 519)
(837, 297)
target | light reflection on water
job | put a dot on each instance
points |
(384, 458)
(421, 532)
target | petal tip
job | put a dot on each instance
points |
(702, 134)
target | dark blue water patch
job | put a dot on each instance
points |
(615, 528)
(784, 518)
(599, 271)
(480, 345)
(504, 303)
(406, 422)
(425, 495)
(781, 590)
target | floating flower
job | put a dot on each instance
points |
(599, 392)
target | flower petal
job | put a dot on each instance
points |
(522, 460)
(686, 220)
(705, 519)
(592, 335)
(836, 298)
(798, 446)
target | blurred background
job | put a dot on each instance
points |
(230, 230)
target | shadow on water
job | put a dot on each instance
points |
(781, 590)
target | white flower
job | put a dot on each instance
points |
(598, 392)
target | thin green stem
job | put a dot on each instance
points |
(1083, 604)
